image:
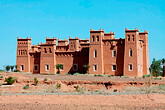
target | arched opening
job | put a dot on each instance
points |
(133, 38)
(93, 38)
(50, 51)
(95, 53)
(130, 52)
(128, 37)
(97, 38)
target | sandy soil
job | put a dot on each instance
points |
(74, 102)
(83, 102)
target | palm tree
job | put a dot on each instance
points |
(11, 67)
(163, 62)
(7, 68)
(86, 68)
(59, 67)
(156, 68)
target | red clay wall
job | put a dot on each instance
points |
(109, 60)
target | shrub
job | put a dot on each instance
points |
(10, 80)
(125, 77)
(35, 81)
(26, 87)
(110, 75)
(78, 89)
(98, 75)
(16, 71)
(45, 79)
(148, 75)
(0, 84)
(1, 76)
(58, 86)
(115, 90)
(158, 78)
(2, 70)
(77, 74)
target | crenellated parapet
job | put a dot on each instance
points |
(62, 42)
(134, 30)
(51, 40)
(23, 39)
(95, 31)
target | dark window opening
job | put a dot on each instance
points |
(97, 38)
(113, 67)
(36, 68)
(93, 38)
(45, 50)
(47, 67)
(133, 37)
(22, 67)
(95, 53)
(130, 53)
(114, 53)
(128, 37)
(50, 50)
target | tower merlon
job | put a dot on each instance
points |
(135, 30)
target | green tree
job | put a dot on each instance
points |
(59, 67)
(156, 68)
(163, 63)
(11, 67)
(15, 66)
(7, 68)
(86, 68)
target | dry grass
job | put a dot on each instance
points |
(146, 89)
(1, 93)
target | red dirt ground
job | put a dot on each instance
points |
(83, 102)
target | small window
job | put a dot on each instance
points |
(22, 68)
(128, 37)
(35, 68)
(130, 53)
(19, 52)
(45, 50)
(114, 53)
(47, 67)
(93, 38)
(97, 38)
(114, 68)
(75, 67)
(133, 38)
(94, 67)
(25, 52)
(95, 53)
(50, 51)
(130, 67)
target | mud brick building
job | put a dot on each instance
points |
(103, 53)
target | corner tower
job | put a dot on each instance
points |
(146, 65)
(48, 59)
(96, 52)
(23, 57)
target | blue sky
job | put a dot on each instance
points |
(64, 18)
